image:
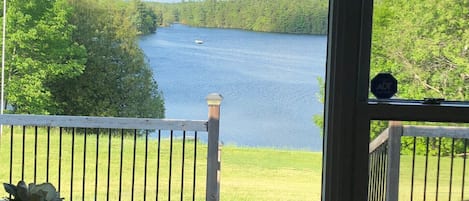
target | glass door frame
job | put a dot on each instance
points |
(348, 111)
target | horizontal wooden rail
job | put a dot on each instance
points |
(422, 131)
(436, 131)
(68, 155)
(103, 122)
(378, 141)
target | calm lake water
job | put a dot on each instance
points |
(268, 81)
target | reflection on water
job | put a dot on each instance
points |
(269, 82)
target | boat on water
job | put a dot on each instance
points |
(199, 41)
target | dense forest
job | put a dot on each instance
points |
(79, 57)
(284, 16)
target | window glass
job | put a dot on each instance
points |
(425, 45)
(432, 160)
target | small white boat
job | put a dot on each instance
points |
(199, 41)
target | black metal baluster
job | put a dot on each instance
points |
(451, 169)
(84, 165)
(23, 153)
(372, 176)
(379, 168)
(182, 164)
(11, 155)
(380, 176)
(158, 165)
(464, 168)
(426, 170)
(60, 157)
(384, 171)
(48, 154)
(195, 166)
(35, 154)
(413, 170)
(146, 167)
(438, 169)
(121, 159)
(72, 165)
(386, 159)
(97, 166)
(170, 163)
(108, 164)
(376, 178)
(133, 164)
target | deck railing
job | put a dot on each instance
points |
(106, 158)
(423, 181)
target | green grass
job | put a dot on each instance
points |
(255, 174)
(269, 174)
(247, 173)
(444, 178)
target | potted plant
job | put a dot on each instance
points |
(32, 192)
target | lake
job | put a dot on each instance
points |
(268, 81)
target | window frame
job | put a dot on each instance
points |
(348, 111)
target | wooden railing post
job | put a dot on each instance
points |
(213, 157)
(394, 156)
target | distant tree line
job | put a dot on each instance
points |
(284, 16)
(80, 57)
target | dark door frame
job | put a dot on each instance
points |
(348, 111)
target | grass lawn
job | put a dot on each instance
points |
(269, 174)
(255, 174)
(443, 183)
(246, 173)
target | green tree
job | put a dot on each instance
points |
(424, 44)
(144, 17)
(39, 51)
(117, 80)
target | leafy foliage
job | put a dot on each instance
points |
(117, 80)
(32, 192)
(143, 17)
(80, 58)
(425, 45)
(285, 16)
(433, 146)
(39, 50)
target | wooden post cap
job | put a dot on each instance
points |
(214, 99)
